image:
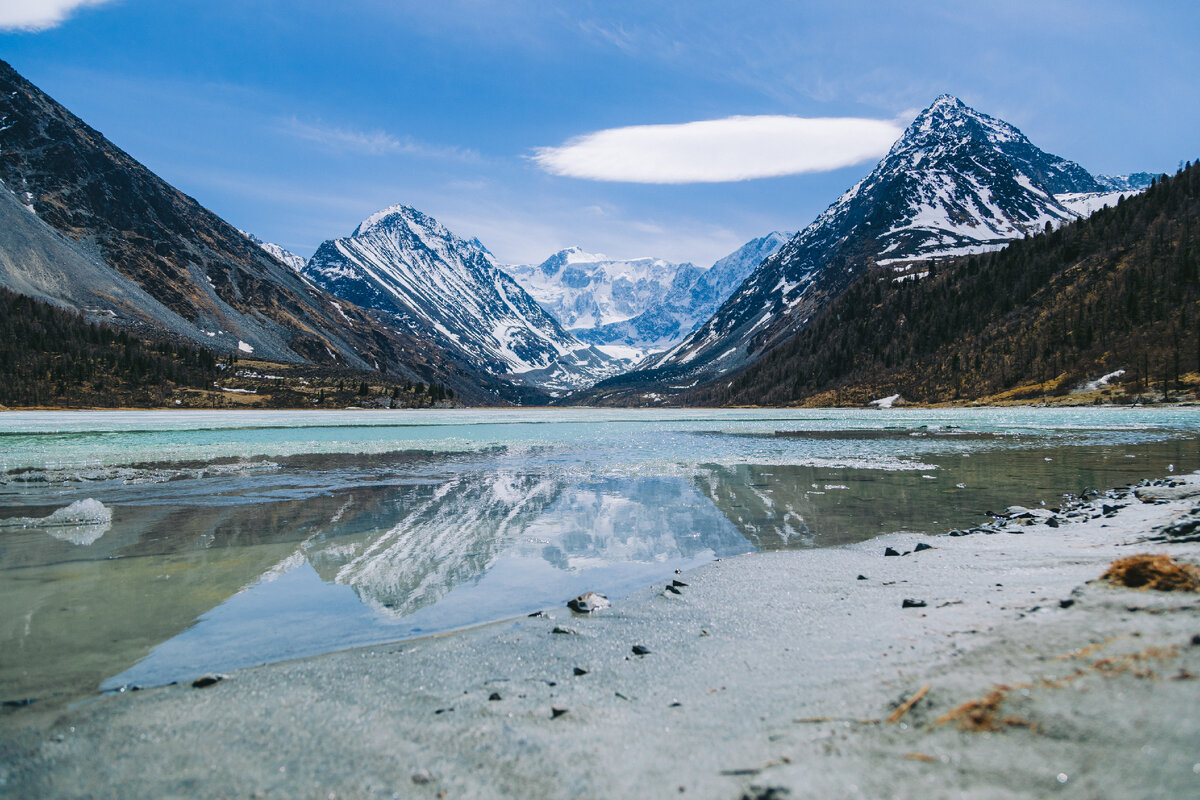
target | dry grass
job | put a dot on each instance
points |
(981, 715)
(1158, 572)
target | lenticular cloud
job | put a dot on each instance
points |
(720, 150)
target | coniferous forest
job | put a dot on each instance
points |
(53, 357)
(1119, 290)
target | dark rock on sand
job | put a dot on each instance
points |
(567, 631)
(890, 552)
(580, 671)
(207, 680)
(766, 793)
(555, 712)
(922, 546)
(588, 602)
(494, 696)
(910, 603)
(641, 650)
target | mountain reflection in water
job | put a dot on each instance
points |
(283, 551)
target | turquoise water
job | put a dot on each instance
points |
(208, 541)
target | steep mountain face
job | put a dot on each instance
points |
(1113, 298)
(447, 290)
(957, 181)
(639, 306)
(87, 227)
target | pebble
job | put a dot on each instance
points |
(207, 680)
(922, 546)
(555, 712)
(641, 650)
(890, 552)
(580, 671)
(588, 602)
(494, 696)
(561, 629)
(910, 603)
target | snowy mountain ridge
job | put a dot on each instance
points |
(294, 261)
(409, 266)
(958, 181)
(632, 307)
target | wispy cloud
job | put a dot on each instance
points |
(720, 150)
(38, 15)
(369, 142)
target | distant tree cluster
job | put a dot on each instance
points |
(51, 356)
(1118, 290)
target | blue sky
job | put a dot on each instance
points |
(296, 119)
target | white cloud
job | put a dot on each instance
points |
(720, 150)
(373, 142)
(38, 15)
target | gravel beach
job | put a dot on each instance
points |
(993, 664)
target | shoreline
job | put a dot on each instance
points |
(767, 670)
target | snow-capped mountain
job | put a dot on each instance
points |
(693, 298)
(1134, 182)
(286, 256)
(451, 291)
(957, 181)
(586, 290)
(637, 306)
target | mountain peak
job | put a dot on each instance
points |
(945, 102)
(386, 217)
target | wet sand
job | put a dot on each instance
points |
(768, 675)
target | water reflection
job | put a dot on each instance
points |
(235, 567)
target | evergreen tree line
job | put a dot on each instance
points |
(52, 356)
(1117, 290)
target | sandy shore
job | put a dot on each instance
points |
(769, 675)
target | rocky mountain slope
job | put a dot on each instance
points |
(87, 227)
(1111, 299)
(450, 291)
(957, 181)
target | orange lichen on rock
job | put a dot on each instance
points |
(1158, 572)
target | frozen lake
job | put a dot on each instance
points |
(207, 541)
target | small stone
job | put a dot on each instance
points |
(567, 631)
(673, 589)
(421, 778)
(678, 584)
(555, 712)
(580, 671)
(588, 602)
(1196, 640)
(922, 546)
(207, 680)
(910, 603)
(494, 696)
(675, 704)
(890, 552)
(861, 578)
(444, 710)
(1052, 522)
(641, 650)
(537, 614)
(1067, 603)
